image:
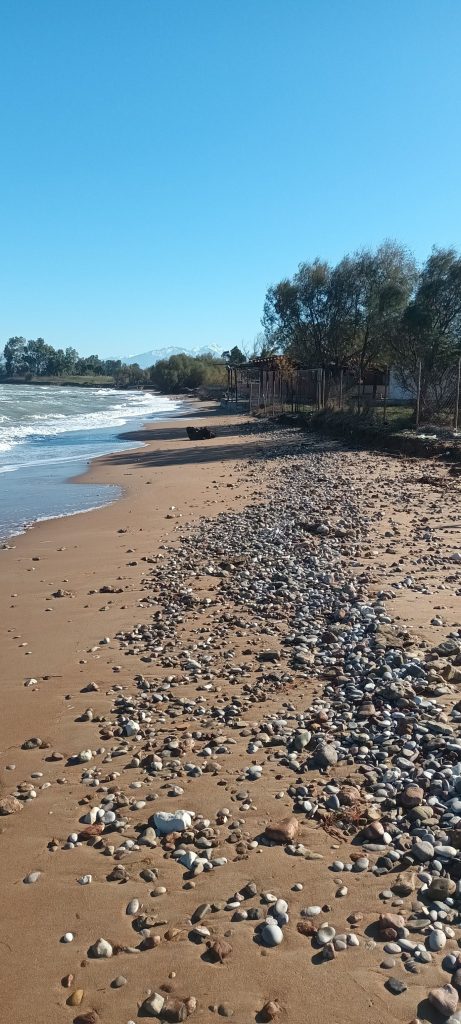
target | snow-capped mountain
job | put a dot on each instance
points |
(145, 359)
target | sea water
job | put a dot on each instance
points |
(48, 434)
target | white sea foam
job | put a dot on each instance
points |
(30, 414)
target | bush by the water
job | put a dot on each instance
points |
(183, 371)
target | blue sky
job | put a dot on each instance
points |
(163, 162)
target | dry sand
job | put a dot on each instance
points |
(57, 641)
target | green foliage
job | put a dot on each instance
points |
(35, 359)
(430, 329)
(183, 371)
(344, 314)
(234, 356)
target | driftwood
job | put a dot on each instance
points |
(199, 433)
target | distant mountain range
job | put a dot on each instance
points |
(145, 359)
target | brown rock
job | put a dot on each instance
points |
(76, 997)
(306, 927)
(348, 795)
(270, 1010)
(404, 884)
(174, 1010)
(174, 935)
(354, 919)
(10, 805)
(440, 888)
(374, 831)
(445, 999)
(284, 831)
(91, 1017)
(391, 921)
(412, 795)
(219, 949)
(92, 830)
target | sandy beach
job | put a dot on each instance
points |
(69, 588)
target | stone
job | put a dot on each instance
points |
(422, 851)
(396, 986)
(404, 884)
(440, 888)
(325, 755)
(445, 999)
(284, 831)
(168, 821)
(33, 877)
(202, 910)
(412, 795)
(10, 805)
(393, 921)
(436, 940)
(153, 1005)
(271, 935)
(270, 1010)
(325, 934)
(101, 949)
(75, 997)
(219, 950)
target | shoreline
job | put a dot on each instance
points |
(67, 588)
(141, 435)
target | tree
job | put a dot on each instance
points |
(430, 327)
(13, 355)
(234, 356)
(344, 314)
(37, 357)
(281, 319)
(378, 287)
(89, 366)
(185, 371)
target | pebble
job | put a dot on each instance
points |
(271, 935)
(396, 986)
(293, 584)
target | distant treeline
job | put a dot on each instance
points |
(373, 308)
(35, 359)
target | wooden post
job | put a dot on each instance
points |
(386, 378)
(418, 395)
(458, 387)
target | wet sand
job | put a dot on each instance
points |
(56, 640)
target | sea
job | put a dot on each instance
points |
(48, 434)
